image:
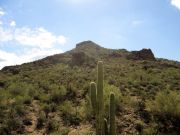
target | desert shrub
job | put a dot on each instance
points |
(165, 103)
(20, 109)
(47, 108)
(3, 104)
(57, 93)
(27, 99)
(118, 96)
(151, 129)
(70, 114)
(23, 99)
(44, 98)
(166, 110)
(52, 125)
(18, 104)
(71, 91)
(64, 131)
(139, 125)
(33, 92)
(10, 122)
(16, 89)
(85, 109)
(41, 120)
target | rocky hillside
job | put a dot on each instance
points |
(51, 95)
(86, 52)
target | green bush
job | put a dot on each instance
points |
(16, 89)
(85, 109)
(165, 103)
(34, 93)
(48, 108)
(70, 114)
(10, 122)
(151, 129)
(44, 98)
(118, 100)
(57, 93)
(52, 125)
(23, 99)
(166, 111)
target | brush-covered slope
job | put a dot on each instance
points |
(51, 95)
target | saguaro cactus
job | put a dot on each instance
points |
(112, 115)
(97, 102)
(100, 98)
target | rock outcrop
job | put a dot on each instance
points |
(11, 69)
(144, 54)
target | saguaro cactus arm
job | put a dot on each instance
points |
(93, 91)
(112, 130)
(106, 130)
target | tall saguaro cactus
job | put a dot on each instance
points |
(100, 98)
(97, 102)
(97, 99)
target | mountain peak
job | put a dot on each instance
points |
(86, 44)
(91, 49)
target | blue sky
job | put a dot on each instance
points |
(33, 29)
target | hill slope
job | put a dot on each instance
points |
(50, 96)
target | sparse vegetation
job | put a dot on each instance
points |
(52, 95)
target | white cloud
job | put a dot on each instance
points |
(61, 40)
(34, 37)
(176, 3)
(37, 37)
(12, 23)
(38, 43)
(2, 13)
(7, 58)
(5, 35)
(33, 43)
(35, 54)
